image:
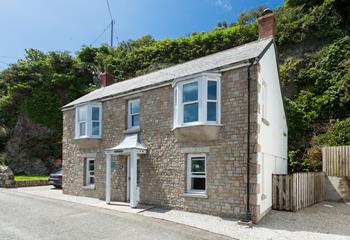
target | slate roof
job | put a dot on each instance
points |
(199, 65)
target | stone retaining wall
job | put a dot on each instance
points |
(31, 183)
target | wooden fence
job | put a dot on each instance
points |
(336, 161)
(296, 191)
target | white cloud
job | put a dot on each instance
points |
(224, 4)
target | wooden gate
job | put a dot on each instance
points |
(296, 191)
(336, 161)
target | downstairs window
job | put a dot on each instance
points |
(196, 173)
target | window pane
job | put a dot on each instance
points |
(95, 128)
(198, 183)
(190, 92)
(212, 86)
(198, 165)
(95, 114)
(135, 107)
(92, 180)
(191, 112)
(211, 111)
(82, 129)
(135, 120)
(82, 114)
(91, 167)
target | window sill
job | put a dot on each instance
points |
(195, 124)
(132, 130)
(89, 187)
(87, 137)
(195, 195)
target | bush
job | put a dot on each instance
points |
(338, 134)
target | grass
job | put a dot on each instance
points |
(25, 178)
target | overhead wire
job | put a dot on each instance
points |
(101, 34)
(109, 10)
(109, 25)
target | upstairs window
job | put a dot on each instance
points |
(212, 101)
(197, 101)
(95, 120)
(82, 121)
(134, 117)
(88, 121)
(190, 102)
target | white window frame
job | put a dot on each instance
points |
(202, 80)
(190, 175)
(130, 115)
(88, 174)
(88, 121)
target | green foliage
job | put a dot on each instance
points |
(30, 178)
(342, 7)
(304, 3)
(129, 60)
(323, 94)
(320, 23)
(338, 134)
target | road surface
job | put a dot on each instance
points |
(28, 217)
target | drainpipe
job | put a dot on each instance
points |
(248, 216)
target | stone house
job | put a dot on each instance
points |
(186, 136)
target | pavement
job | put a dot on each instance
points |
(31, 217)
(326, 220)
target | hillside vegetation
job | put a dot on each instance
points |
(314, 53)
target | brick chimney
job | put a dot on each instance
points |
(267, 24)
(106, 79)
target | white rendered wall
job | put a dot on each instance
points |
(272, 135)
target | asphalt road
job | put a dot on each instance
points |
(24, 216)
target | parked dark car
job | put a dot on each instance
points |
(55, 178)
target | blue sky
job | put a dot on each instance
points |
(70, 24)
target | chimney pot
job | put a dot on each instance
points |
(106, 79)
(267, 24)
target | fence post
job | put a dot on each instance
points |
(274, 198)
(280, 191)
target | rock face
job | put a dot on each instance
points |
(28, 150)
(6, 176)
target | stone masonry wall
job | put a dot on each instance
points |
(163, 168)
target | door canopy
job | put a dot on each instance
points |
(130, 142)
